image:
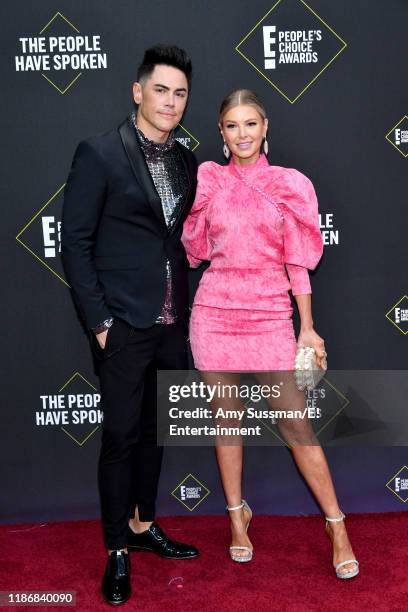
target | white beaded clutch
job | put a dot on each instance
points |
(307, 373)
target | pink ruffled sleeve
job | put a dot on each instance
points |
(195, 235)
(302, 239)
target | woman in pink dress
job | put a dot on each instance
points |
(258, 226)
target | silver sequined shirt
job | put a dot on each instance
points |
(169, 177)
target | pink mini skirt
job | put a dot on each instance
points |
(241, 340)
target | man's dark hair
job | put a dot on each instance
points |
(168, 55)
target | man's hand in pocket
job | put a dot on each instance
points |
(101, 337)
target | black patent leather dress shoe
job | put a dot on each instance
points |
(155, 540)
(116, 580)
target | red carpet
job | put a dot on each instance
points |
(291, 570)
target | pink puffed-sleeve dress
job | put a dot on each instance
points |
(258, 249)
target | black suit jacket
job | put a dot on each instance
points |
(114, 237)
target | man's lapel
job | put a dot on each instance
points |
(186, 200)
(141, 171)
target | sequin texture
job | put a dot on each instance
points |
(169, 177)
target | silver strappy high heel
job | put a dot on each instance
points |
(350, 573)
(248, 556)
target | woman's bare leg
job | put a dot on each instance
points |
(229, 453)
(312, 463)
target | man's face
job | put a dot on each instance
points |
(161, 100)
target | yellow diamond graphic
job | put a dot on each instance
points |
(183, 497)
(31, 226)
(60, 17)
(186, 138)
(281, 18)
(394, 314)
(395, 486)
(398, 135)
(78, 377)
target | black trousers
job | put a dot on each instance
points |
(130, 458)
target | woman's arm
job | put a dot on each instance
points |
(308, 336)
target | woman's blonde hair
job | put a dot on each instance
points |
(238, 97)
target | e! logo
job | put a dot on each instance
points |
(269, 40)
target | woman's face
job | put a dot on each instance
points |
(243, 129)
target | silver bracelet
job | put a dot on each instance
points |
(107, 323)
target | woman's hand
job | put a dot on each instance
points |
(310, 338)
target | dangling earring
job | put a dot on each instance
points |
(226, 151)
(265, 146)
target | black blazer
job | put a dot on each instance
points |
(114, 237)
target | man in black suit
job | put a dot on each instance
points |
(126, 198)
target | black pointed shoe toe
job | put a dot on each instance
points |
(155, 540)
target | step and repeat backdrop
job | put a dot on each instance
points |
(332, 75)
